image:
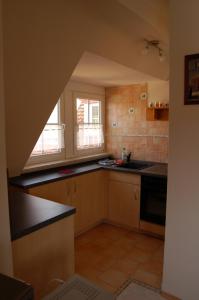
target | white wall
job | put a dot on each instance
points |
(181, 266)
(5, 244)
(158, 91)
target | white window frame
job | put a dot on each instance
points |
(89, 96)
(53, 157)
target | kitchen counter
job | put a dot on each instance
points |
(26, 181)
(12, 289)
(157, 170)
(29, 213)
(29, 180)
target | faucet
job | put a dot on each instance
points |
(128, 157)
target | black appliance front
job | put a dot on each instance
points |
(153, 199)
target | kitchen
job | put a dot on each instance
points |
(114, 193)
(40, 47)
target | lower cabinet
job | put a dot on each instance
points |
(45, 254)
(85, 192)
(124, 199)
(99, 195)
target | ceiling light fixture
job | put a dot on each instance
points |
(154, 44)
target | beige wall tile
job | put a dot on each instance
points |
(118, 102)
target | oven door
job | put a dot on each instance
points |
(153, 199)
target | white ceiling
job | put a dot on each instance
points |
(100, 71)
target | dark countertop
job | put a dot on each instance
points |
(41, 177)
(29, 213)
(12, 289)
(157, 170)
(29, 180)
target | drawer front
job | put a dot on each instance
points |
(125, 177)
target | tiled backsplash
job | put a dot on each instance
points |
(147, 140)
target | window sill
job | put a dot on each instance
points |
(54, 164)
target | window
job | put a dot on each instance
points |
(89, 125)
(83, 134)
(50, 144)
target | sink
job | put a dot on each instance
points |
(136, 165)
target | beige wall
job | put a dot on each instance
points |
(43, 41)
(147, 140)
(5, 244)
(181, 266)
(158, 91)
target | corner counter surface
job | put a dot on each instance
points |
(29, 213)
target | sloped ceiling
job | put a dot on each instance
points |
(43, 42)
(154, 12)
(101, 71)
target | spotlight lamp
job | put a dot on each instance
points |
(151, 44)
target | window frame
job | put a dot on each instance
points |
(89, 96)
(52, 157)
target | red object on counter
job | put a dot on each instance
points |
(66, 171)
(119, 161)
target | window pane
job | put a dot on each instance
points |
(89, 136)
(94, 111)
(54, 117)
(50, 141)
(82, 110)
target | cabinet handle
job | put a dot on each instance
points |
(136, 196)
(68, 191)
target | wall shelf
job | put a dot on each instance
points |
(157, 113)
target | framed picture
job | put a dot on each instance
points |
(191, 84)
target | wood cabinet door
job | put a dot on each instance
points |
(89, 199)
(55, 191)
(124, 203)
(85, 192)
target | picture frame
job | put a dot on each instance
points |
(191, 79)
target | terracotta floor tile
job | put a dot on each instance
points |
(158, 255)
(125, 244)
(108, 255)
(148, 278)
(135, 236)
(138, 255)
(113, 277)
(105, 262)
(101, 241)
(152, 266)
(104, 285)
(149, 244)
(126, 266)
(115, 252)
(90, 273)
